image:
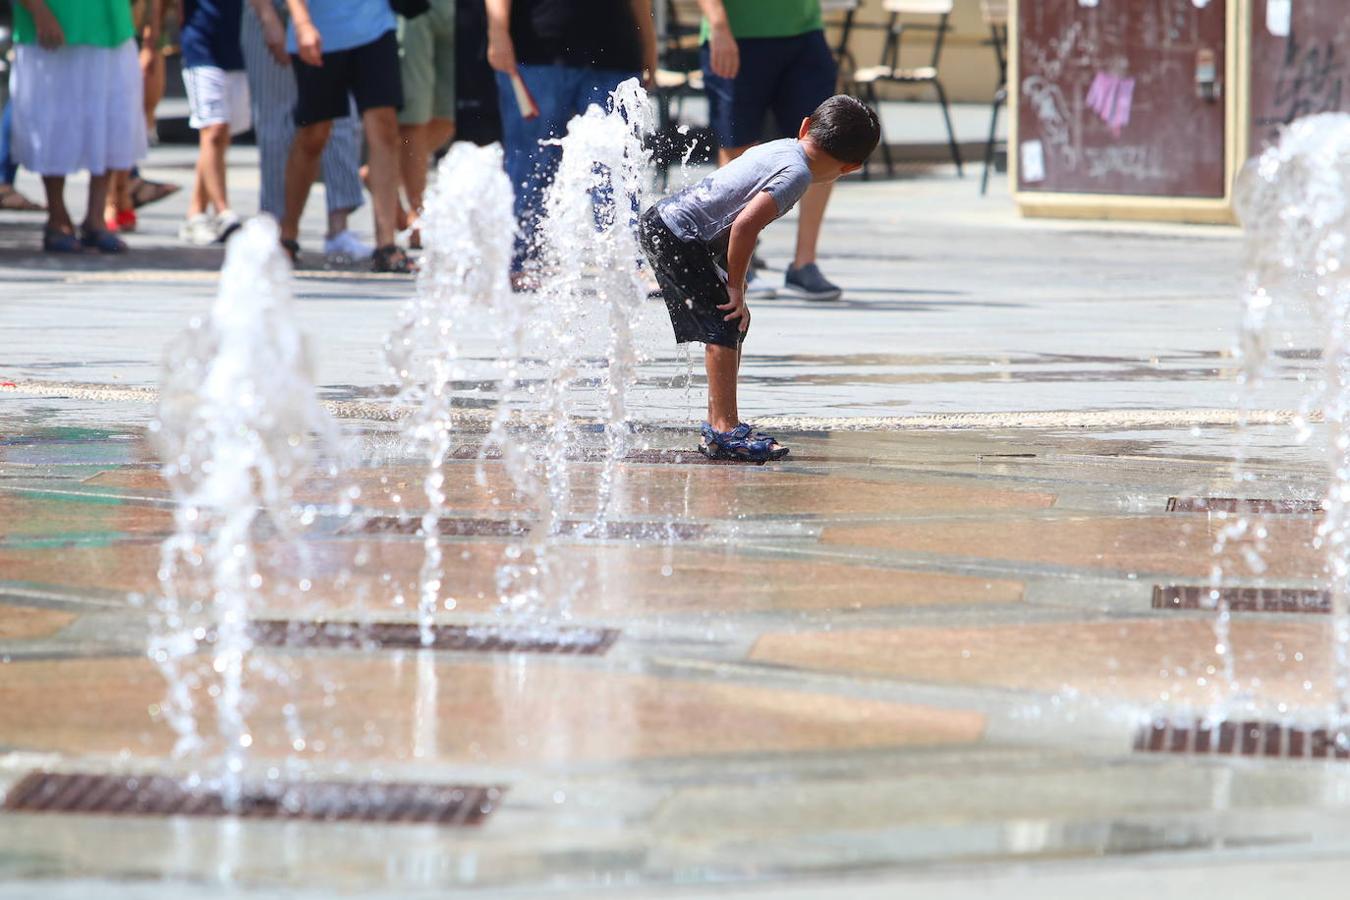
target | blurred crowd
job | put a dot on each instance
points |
(362, 94)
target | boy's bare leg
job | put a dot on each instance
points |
(722, 365)
(302, 168)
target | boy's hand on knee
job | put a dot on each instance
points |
(737, 307)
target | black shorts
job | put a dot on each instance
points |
(691, 282)
(368, 72)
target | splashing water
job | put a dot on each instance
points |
(1294, 202)
(468, 227)
(582, 318)
(590, 252)
(237, 412)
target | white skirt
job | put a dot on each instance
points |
(77, 108)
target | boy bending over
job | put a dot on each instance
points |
(699, 243)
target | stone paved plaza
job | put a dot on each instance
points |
(943, 650)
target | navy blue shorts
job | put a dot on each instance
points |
(691, 283)
(788, 77)
(369, 73)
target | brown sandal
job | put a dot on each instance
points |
(144, 192)
(13, 201)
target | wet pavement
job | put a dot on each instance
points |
(925, 651)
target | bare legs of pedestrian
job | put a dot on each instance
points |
(119, 201)
(208, 187)
(58, 216)
(381, 127)
(302, 168)
(810, 217)
(337, 222)
(418, 143)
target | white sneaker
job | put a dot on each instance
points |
(757, 287)
(345, 245)
(199, 230)
(227, 223)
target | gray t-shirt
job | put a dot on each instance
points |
(705, 211)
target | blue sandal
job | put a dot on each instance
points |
(102, 240)
(54, 241)
(741, 443)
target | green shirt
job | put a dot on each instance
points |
(770, 18)
(95, 23)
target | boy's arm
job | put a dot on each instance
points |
(642, 13)
(501, 50)
(758, 213)
(722, 47)
(308, 41)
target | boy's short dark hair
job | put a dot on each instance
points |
(846, 128)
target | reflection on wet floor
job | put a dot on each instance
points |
(935, 635)
(902, 369)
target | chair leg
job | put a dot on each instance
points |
(662, 130)
(874, 102)
(993, 141)
(951, 132)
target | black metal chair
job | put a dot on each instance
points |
(935, 15)
(678, 76)
(996, 17)
(847, 10)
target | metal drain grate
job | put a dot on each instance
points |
(505, 528)
(644, 457)
(1240, 505)
(1268, 739)
(157, 795)
(575, 641)
(1276, 600)
(450, 527)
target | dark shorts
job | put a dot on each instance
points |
(788, 77)
(368, 73)
(691, 283)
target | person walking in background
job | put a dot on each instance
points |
(77, 97)
(340, 50)
(569, 54)
(120, 212)
(761, 57)
(427, 121)
(217, 91)
(271, 84)
(11, 200)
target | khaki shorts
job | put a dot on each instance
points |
(427, 64)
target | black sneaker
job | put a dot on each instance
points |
(809, 283)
